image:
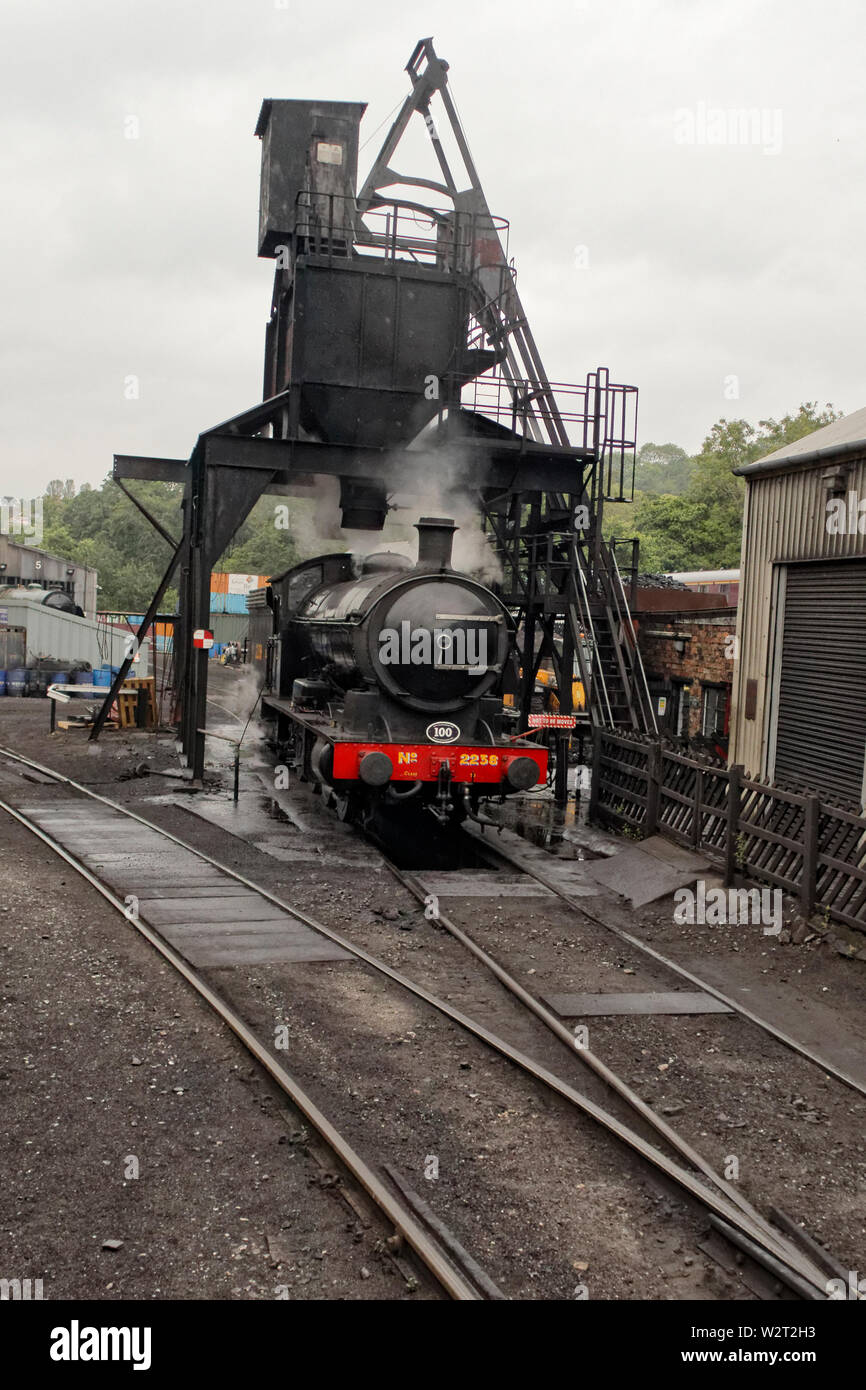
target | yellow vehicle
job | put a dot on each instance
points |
(547, 680)
(545, 687)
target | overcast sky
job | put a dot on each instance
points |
(695, 270)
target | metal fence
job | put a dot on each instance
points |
(797, 842)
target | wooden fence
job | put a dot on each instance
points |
(799, 843)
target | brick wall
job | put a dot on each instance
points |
(705, 660)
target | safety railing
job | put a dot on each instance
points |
(600, 417)
(332, 225)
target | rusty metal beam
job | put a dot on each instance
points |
(510, 464)
(157, 525)
(154, 470)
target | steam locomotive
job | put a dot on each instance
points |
(384, 681)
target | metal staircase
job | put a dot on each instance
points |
(605, 644)
(560, 578)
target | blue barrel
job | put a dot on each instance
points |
(59, 678)
(38, 682)
(18, 682)
(102, 677)
(82, 678)
(2, 682)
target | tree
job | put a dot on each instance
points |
(662, 468)
(57, 488)
(102, 528)
(777, 433)
(264, 544)
(701, 528)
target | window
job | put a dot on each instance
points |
(303, 584)
(714, 715)
(679, 710)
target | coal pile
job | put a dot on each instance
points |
(659, 581)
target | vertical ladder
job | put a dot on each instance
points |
(617, 695)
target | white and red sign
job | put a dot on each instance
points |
(202, 638)
(552, 721)
(243, 583)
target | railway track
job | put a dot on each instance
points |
(459, 1276)
(495, 852)
(801, 1271)
(783, 1261)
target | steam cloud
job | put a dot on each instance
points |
(443, 494)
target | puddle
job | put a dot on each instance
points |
(413, 840)
(274, 811)
(560, 832)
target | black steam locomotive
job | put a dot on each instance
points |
(385, 680)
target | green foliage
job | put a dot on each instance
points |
(261, 545)
(685, 533)
(102, 528)
(59, 489)
(699, 525)
(687, 513)
(662, 468)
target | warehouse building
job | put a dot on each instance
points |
(40, 629)
(799, 701)
(22, 564)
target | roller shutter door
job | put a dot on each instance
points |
(821, 729)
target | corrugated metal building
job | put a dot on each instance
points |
(46, 635)
(799, 701)
(21, 565)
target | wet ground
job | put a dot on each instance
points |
(562, 831)
(538, 1194)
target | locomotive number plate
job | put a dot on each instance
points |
(443, 732)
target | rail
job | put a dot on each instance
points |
(638, 681)
(719, 1198)
(598, 417)
(459, 243)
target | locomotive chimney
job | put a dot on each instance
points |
(435, 536)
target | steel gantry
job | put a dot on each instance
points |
(397, 340)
